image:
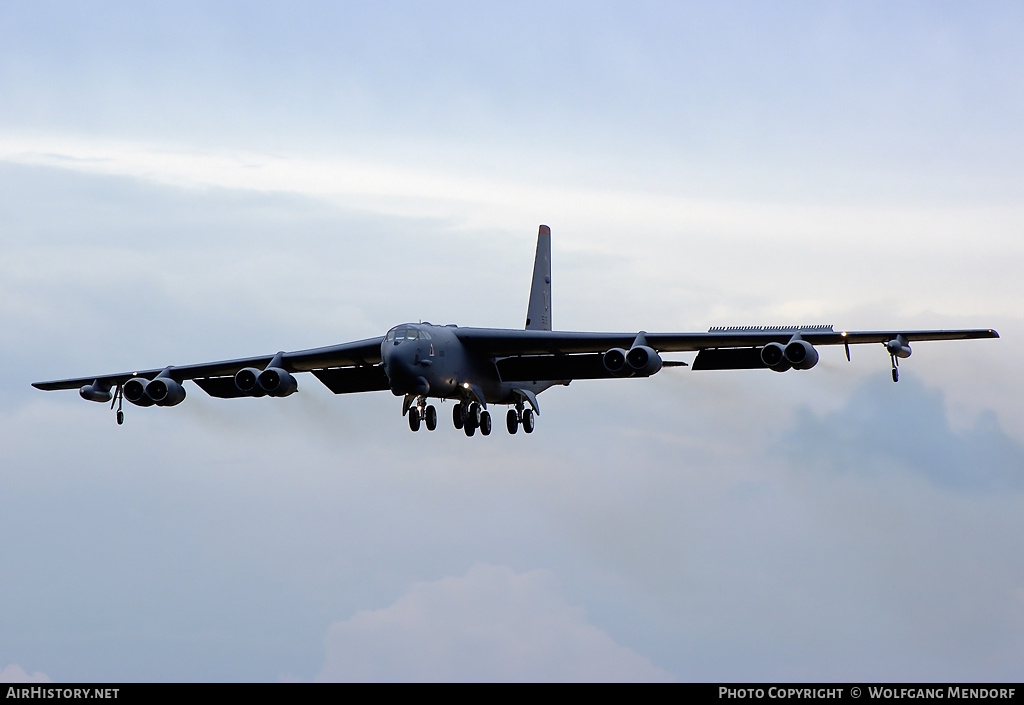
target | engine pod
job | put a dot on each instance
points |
(245, 380)
(643, 360)
(773, 355)
(277, 382)
(164, 391)
(615, 362)
(801, 355)
(134, 391)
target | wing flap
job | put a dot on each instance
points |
(728, 359)
(350, 380)
(552, 367)
(224, 388)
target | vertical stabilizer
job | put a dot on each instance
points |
(538, 314)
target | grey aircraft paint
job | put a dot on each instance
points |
(481, 366)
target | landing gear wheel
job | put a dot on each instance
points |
(475, 413)
(485, 423)
(512, 421)
(469, 428)
(457, 418)
(895, 375)
(430, 417)
(414, 419)
(528, 421)
(120, 417)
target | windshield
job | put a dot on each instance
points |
(407, 333)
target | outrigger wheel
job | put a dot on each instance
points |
(119, 398)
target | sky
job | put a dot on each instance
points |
(199, 181)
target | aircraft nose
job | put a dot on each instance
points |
(404, 372)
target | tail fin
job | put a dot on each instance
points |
(538, 314)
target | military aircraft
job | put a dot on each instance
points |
(480, 366)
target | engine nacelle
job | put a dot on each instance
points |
(644, 361)
(801, 355)
(773, 355)
(615, 362)
(134, 390)
(245, 380)
(95, 392)
(277, 382)
(164, 391)
(898, 347)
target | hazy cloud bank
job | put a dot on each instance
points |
(883, 428)
(13, 673)
(492, 624)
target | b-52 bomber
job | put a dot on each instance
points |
(476, 367)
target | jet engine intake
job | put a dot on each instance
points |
(615, 362)
(95, 392)
(164, 391)
(773, 355)
(134, 390)
(644, 361)
(276, 382)
(245, 379)
(801, 355)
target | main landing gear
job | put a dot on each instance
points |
(470, 418)
(520, 416)
(420, 413)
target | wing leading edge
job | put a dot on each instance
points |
(214, 377)
(504, 343)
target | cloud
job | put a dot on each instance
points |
(882, 428)
(13, 673)
(492, 624)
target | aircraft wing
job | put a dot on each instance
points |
(343, 368)
(561, 355)
(537, 342)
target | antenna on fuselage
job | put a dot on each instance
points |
(538, 313)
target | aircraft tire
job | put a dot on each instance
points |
(475, 414)
(529, 423)
(414, 419)
(485, 423)
(120, 417)
(430, 417)
(469, 428)
(457, 416)
(512, 421)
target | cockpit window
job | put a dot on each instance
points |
(407, 333)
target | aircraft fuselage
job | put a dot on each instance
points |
(430, 361)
